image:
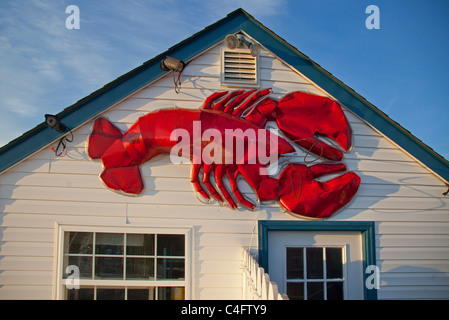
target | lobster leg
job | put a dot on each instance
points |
(265, 187)
(222, 103)
(220, 171)
(230, 106)
(248, 103)
(208, 103)
(207, 169)
(232, 172)
(195, 181)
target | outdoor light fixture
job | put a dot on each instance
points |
(53, 122)
(177, 66)
(233, 41)
(170, 63)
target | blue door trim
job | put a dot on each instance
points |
(367, 229)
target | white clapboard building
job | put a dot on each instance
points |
(65, 235)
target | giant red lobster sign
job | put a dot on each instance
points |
(300, 117)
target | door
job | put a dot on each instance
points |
(317, 265)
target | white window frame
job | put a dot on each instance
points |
(324, 280)
(59, 282)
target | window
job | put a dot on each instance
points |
(356, 238)
(239, 68)
(132, 265)
(314, 273)
(315, 249)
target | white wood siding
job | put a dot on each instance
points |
(402, 196)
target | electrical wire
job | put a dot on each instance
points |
(177, 82)
(62, 142)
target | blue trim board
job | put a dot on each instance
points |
(366, 228)
(92, 105)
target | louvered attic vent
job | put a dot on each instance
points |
(239, 68)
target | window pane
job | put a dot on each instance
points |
(334, 265)
(170, 269)
(295, 264)
(314, 263)
(335, 291)
(315, 291)
(295, 290)
(108, 268)
(109, 243)
(78, 242)
(140, 244)
(170, 244)
(141, 294)
(170, 293)
(110, 294)
(80, 294)
(83, 263)
(140, 268)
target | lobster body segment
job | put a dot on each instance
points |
(226, 122)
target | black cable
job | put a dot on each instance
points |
(62, 143)
(177, 82)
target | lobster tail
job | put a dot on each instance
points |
(120, 172)
(125, 179)
(103, 135)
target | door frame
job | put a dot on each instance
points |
(367, 229)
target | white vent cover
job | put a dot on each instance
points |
(239, 68)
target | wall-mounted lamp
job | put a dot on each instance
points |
(233, 41)
(176, 65)
(53, 122)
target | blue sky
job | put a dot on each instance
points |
(402, 68)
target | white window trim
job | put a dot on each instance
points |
(59, 282)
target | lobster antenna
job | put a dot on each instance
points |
(310, 149)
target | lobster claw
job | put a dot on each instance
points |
(301, 116)
(301, 194)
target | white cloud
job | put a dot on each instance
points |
(39, 53)
(47, 67)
